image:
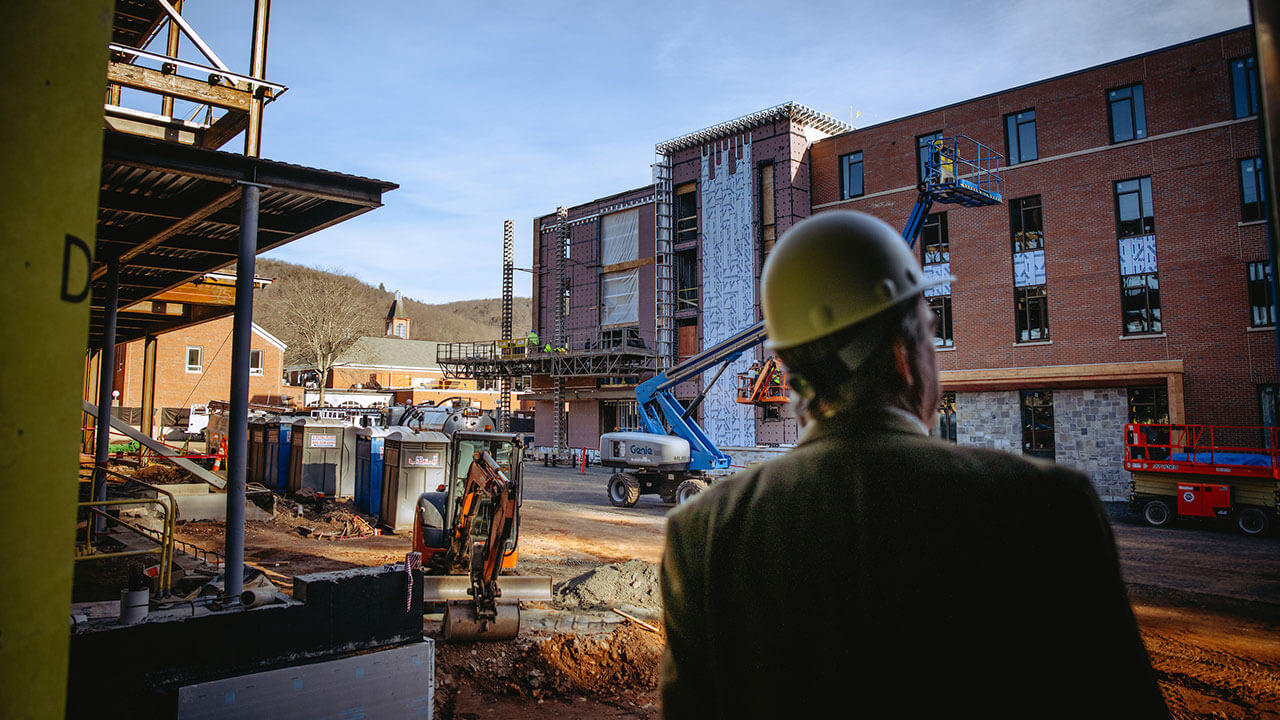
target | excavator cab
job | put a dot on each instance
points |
(467, 531)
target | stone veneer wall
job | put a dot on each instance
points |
(1088, 435)
(1088, 431)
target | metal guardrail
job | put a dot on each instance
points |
(166, 540)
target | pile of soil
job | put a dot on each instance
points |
(618, 669)
(632, 584)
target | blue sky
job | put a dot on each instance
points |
(489, 111)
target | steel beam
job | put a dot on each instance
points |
(106, 383)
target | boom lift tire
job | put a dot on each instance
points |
(1251, 521)
(688, 489)
(624, 490)
(1157, 513)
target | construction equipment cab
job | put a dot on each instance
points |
(467, 531)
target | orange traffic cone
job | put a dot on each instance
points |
(222, 455)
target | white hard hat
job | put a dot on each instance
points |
(833, 270)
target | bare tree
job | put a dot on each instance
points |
(321, 319)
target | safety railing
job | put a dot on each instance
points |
(962, 170)
(1203, 449)
(98, 508)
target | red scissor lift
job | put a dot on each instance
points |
(1204, 471)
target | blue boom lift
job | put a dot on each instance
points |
(672, 455)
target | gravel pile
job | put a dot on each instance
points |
(633, 583)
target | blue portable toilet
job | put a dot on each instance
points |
(275, 470)
(369, 451)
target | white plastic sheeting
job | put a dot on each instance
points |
(620, 297)
(620, 237)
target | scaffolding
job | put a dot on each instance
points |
(508, 268)
(664, 263)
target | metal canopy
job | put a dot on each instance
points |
(170, 213)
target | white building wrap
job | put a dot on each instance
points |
(728, 285)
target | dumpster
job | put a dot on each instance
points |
(412, 463)
(369, 452)
(275, 471)
(322, 457)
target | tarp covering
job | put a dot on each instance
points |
(620, 237)
(620, 297)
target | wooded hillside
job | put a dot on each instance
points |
(461, 321)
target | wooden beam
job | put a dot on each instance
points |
(1097, 374)
(628, 265)
(183, 88)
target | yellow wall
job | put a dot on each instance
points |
(55, 56)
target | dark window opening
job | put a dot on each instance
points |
(1244, 87)
(1134, 211)
(941, 306)
(1026, 224)
(924, 151)
(1031, 305)
(768, 214)
(686, 207)
(687, 279)
(1037, 423)
(1128, 113)
(946, 428)
(1140, 303)
(1148, 404)
(850, 175)
(1252, 191)
(621, 337)
(935, 246)
(1262, 297)
(1020, 137)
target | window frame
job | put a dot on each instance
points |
(1013, 144)
(1155, 324)
(1159, 404)
(1024, 300)
(199, 366)
(1018, 210)
(1260, 282)
(943, 332)
(1249, 74)
(938, 221)
(262, 359)
(921, 160)
(1036, 447)
(1146, 195)
(769, 224)
(1255, 211)
(847, 162)
(686, 226)
(1137, 112)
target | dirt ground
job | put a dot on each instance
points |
(1216, 657)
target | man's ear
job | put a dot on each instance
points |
(902, 363)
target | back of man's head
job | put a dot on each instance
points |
(842, 308)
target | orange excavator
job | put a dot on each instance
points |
(466, 532)
(763, 384)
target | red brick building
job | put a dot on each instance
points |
(1125, 276)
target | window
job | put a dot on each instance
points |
(1134, 214)
(935, 246)
(850, 175)
(619, 284)
(687, 279)
(1262, 298)
(941, 306)
(401, 330)
(195, 359)
(1037, 423)
(1031, 305)
(1128, 113)
(1020, 137)
(255, 362)
(946, 428)
(686, 213)
(1140, 303)
(1244, 87)
(768, 217)
(1252, 191)
(1148, 404)
(1269, 404)
(924, 151)
(1026, 224)
(621, 337)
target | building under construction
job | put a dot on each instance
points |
(1126, 278)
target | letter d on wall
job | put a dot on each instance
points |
(75, 253)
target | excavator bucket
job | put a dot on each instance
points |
(462, 622)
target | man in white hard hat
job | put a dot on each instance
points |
(873, 569)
